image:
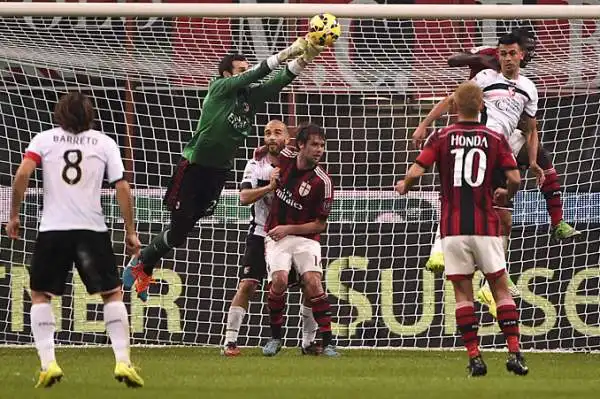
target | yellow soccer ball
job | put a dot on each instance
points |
(324, 29)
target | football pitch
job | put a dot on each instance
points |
(203, 373)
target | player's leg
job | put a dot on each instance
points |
(97, 267)
(460, 267)
(307, 261)
(435, 263)
(50, 266)
(489, 255)
(310, 327)
(279, 261)
(253, 272)
(551, 190)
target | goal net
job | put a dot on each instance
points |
(147, 78)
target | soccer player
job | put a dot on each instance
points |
(468, 154)
(487, 58)
(74, 160)
(298, 215)
(227, 119)
(257, 187)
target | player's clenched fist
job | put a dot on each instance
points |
(401, 187)
(274, 179)
(12, 228)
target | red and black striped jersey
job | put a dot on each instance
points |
(467, 154)
(302, 196)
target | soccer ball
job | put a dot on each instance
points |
(324, 29)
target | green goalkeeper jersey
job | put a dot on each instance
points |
(228, 114)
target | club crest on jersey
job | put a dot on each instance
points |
(511, 91)
(245, 107)
(304, 189)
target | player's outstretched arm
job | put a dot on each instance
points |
(479, 61)
(412, 176)
(436, 112)
(230, 84)
(20, 184)
(125, 200)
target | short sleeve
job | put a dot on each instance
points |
(36, 149)
(114, 162)
(325, 200)
(249, 178)
(429, 154)
(531, 106)
(506, 159)
(483, 78)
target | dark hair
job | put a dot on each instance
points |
(74, 112)
(523, 33)
(527, 43)
(226, 63)
(307, 129)
(509, 38)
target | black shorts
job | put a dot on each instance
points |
(254, 266)
(91, 252)
(194, 190)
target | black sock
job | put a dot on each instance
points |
(158, 247)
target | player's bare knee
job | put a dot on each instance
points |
(463, 290)
(279, 281)
(38, 297)
(247, 288)
(312, 284)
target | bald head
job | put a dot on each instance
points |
(276, 136)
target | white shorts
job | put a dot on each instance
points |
(462, 253)
(516, 141)
(303, 253)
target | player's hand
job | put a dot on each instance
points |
(12, 228)
(419, 136)
(132, 244)
(312, 51)
(295, 49)
(401, 187)
(279, 232)
(501, 196)
(274, 178)
(538, 172)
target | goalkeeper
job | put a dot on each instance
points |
(227, 119)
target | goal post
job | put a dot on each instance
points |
(147, 66)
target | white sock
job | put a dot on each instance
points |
(234, 322)
(43, 327)
(437, 242)
(117, 326)
(309, 326)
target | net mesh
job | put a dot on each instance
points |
(147, 78)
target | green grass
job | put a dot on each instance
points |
(373, 374)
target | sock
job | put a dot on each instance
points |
(158, 247)
(551, 187)
(468, 325)
(508, 320)
(437, 242)
(321, 310)
(117, 326)
(234, 322)
(43, 327)
(309, 326)
(276, 304)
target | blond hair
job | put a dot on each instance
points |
(468, 99)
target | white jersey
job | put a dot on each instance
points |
(258, 174)
(506, 100)
(73, 168)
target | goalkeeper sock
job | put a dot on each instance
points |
(43, 327)
(117, 327)
(508, 320)
(234, 322)
(309, 326)
(158, 247)
(276, 304)
(468, 325)
(321, 310)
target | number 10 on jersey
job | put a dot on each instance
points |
(463, 166)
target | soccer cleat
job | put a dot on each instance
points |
(126, 373)
(330, 351)
(516, 364)
(230, 350)
(564, 231)
(134, 274)
(435, 263)
(476, 367)
(485, 297)
(50, 376)
(313, 349)
(272, 347)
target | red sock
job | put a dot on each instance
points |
(468, 325)
(276, 304)
(322, 313)
(508, 320)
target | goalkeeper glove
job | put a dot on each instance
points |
(297, 48)
(312, 51)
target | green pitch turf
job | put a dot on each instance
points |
(202, 373)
